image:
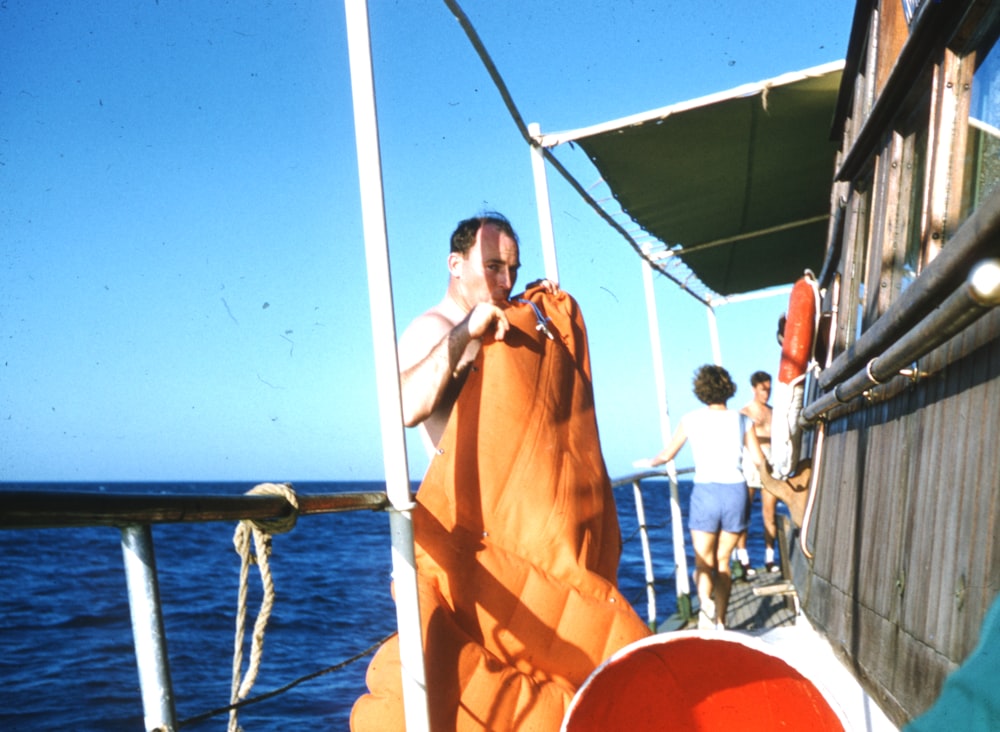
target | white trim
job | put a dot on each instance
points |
(397, 480)
(558, 138)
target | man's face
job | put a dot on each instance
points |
(489, 271)
(762, 392)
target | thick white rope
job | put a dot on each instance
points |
(261, 532)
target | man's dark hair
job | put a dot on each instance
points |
(464, 236)
(759, 377)
(713, 385)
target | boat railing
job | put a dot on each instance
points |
(135, 514)
(58, 509)
(979, 294)
(682, 588)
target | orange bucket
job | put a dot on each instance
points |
(695, 680)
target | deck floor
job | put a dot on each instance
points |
(758, 603)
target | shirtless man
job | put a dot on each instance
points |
(437, 348)
(759, 411)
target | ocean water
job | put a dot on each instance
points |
(66, 655)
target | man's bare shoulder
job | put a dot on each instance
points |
(422, 334)
(436, 321)
(757, 411)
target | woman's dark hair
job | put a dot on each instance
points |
(464, 236)
(713, 384)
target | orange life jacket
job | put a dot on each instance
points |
(517, 541)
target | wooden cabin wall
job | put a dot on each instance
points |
(906, 562)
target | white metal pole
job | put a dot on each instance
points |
(147, 628)
(676, 520)
(713, 332)
(543, 206)
(390, 402)
(647, 555)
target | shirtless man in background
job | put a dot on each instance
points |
(759, 411)
(437, 348)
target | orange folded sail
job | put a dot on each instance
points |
(517, 541)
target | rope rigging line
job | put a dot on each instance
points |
(287, 687)
(649, 527)
(260, 533)
(522, 128)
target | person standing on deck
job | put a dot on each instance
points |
(437, 348)
(718, 511)
(759, 411)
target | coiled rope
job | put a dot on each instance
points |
(260, 531)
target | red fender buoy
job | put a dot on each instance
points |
(800, 330)
(796, 352)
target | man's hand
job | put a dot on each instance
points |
(486, 317)
(548, 285)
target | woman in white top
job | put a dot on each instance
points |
(719, 502)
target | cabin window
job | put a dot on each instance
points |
(910, 8)
(981, 169)
(894, 253)
(932, 165)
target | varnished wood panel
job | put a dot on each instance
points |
(906, 555)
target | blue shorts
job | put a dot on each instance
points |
(716, 506)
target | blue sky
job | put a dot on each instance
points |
(183, 292)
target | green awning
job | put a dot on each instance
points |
(738, 183)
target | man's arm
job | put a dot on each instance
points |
(752, 443)
(432, 352)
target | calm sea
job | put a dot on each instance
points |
(66, 656)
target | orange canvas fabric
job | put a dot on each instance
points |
(517, 542)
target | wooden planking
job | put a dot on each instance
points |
(836, 547)
(943, 504)
(958, 491)
(980, 517)
(892, 665)
(924, 462)
(888, 501)
(906, 550)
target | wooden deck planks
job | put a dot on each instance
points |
(750, 611)
(758, 603)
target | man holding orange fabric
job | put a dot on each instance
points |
(438, 347)
(517, 538)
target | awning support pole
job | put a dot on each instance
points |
(713, 333)
(544, 208)
(676, 521)
(390, 401)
